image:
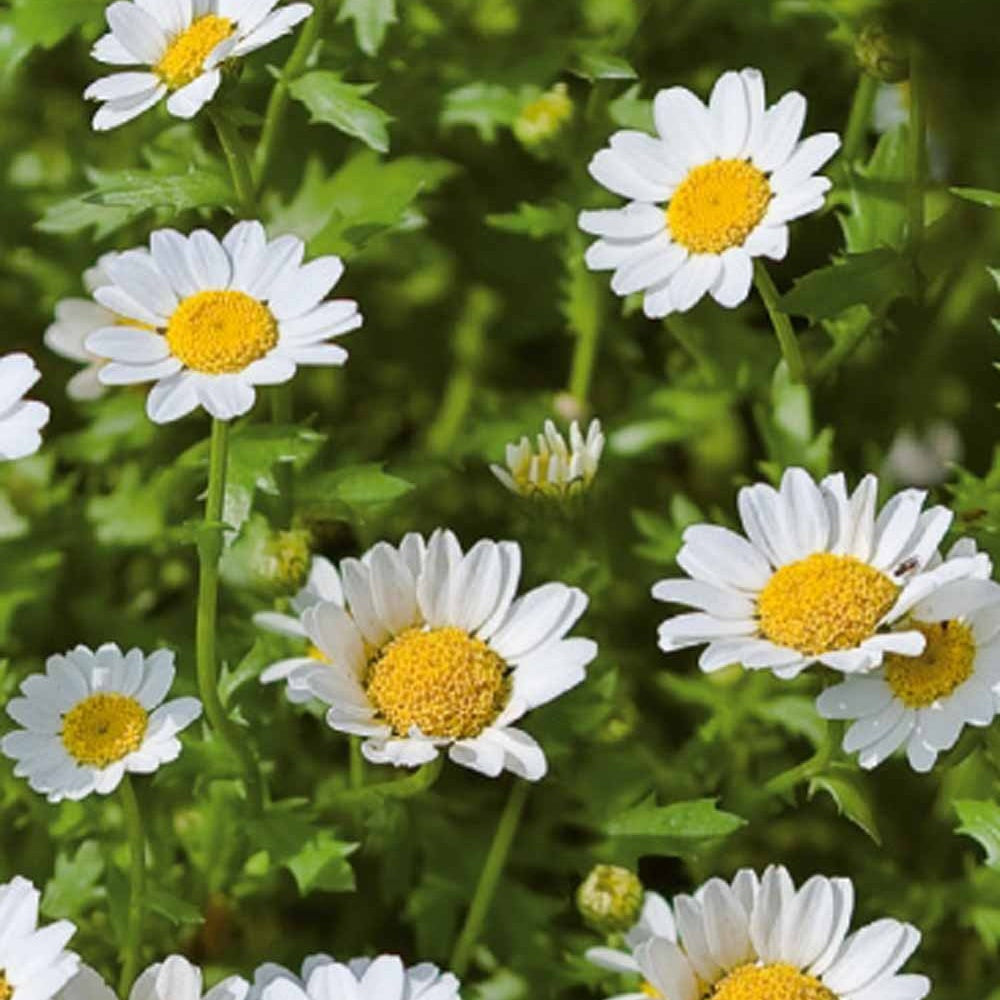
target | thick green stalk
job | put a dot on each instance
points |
(859, 119)
(137, 885)
(787, 340)
(489, 877)
(209, 553)
(238, 161)
(581, 371)
(357, 764)
(278, 102)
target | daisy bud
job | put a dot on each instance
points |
(609, 899)
(882, 54)
(541, 120)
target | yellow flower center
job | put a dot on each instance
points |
(769, 982)
(185, 57)
(315, 653)
(443, 681)
(6, 990)
(221, 332)
(542, 118)
(103, 728)
(650, 990)
(824, 602)
(718, 205)
(946, 662)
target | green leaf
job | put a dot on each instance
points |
(350, 490)
(31, 24)
(371, 21)
(848, 790)
(178, 911)
(322, 865)
(342, 105)
(484, 106)
(978, 195)
(138, 191)
(873, 279)
(534, 221)
(76, 215)
(75, 882)
(981, 820)
(595, 64)
(877, 198)
(632, 111)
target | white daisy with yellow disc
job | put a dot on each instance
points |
(182, 45)
(34, 963)
(175, 978)
(714, 189)
(323, 584)
(434, 650)
(382, 978)
(819, 577)
(21, 420)
(551, 467)
(763, 939)
(213, 319)
(93, 716)
(924, 702)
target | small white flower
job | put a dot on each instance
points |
(924, 702)
(215, 319)
(655, 921)
(92, 717)
(753, 939)
(183, 43)
(323, 584)
(553, 468)
(924, 459)
(433, 650)
(34, 964)
(716, 188)
(173, 979)
(382, 978)
(21, 420)
(817, 579)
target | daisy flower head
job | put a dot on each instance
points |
(818, 577)
(323, 584)
(922, 703)
(715, 188)
(553, 468)
(175, 978)
(181, 46)
(34, 964)
(381, 978)
(433, 651)
(21, 420)
(763, 939)
(212, 319)
(92, 717)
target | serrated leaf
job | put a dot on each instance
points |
(344, 106)
(484, 106)
(351, 490)
(980, 196)
(980, 819)
(873, 279)
(877, 197)
(322, 865)
(371, 21)
(848, 791)
(138, 191)
(75, 882)
(178, 911)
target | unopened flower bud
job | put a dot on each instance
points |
(610, 899)
(882, 54)
(542, 119)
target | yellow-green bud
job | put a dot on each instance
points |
(285, 559)
(542, 119)
(882, 54)
(610, 899)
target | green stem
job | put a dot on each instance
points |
(783, 783)
(209, 553)
(238, 161)
(489, 877)
(356, 775)
(278, 102)
(682, 331)
(917, 153)
(581, 371)
(859, 119)
(137, 885)
(787, 340)
(282, 414)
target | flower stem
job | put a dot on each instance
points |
(278, 101)
(209, 554)
(859, 119)
(137, 885)
(489, 877)
(356, 774)
(238, 161)
(787, 340)
(917, 153)
(282, 414)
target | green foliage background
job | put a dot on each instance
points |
(461, 248)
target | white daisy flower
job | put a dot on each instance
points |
(924, 702)
(433, 651)
(716, 188)
(323, 584)
(817, 579)
(655, 921)
(183, 43)
(763, 939)
(217, 318)
(21, 420)
(173, 979)
(33, 961)
(92, 717)
(76, 319)
(382, 978)
(554, 468)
